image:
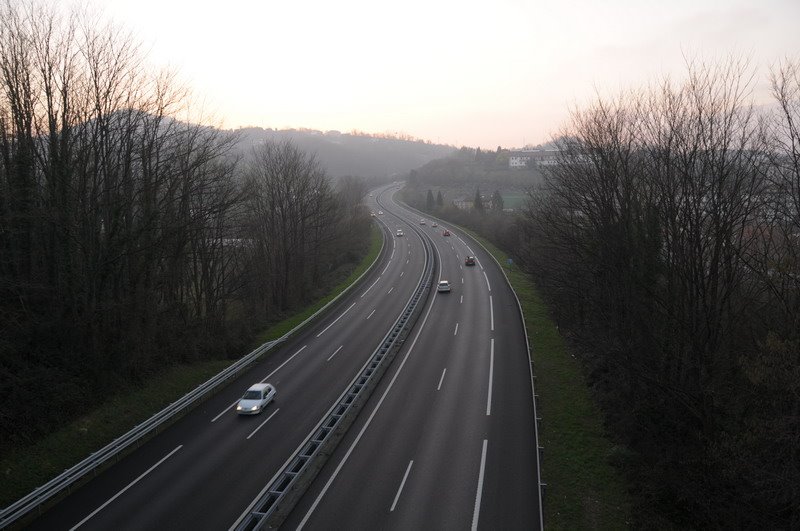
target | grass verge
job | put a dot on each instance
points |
(584, 490)
(24, 469)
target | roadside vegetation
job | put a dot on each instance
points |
(26, 467)
(584, 490)
(134, 236)
(666, 243)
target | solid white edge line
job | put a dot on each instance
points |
(336, 320)
(491, 313)
(369, 420)
(337, 351)
(479, 494)
(262, 381)
(402, 483)
(120, 493)
(491, 377)
(441, 379)
(455, 332)
(370, 313)
(259, 426)
(387, 267)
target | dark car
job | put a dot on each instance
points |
(470, 260)
(446, 233)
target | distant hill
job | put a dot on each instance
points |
(352, 154)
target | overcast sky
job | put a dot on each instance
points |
(499, 72)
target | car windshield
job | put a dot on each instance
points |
(252, 395)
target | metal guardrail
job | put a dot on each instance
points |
(267, 511)
(55, 486)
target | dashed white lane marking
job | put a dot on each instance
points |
(455, 332)
(390, 290)
(335, 353)
(491, 313)
(402, 483)
(334, 322)
(370, 313)
(479, 494)
(441, 379)
(461, 300)
(491, 375)
(369, 288)
(402, 273)
(259, 426)
(120, 493)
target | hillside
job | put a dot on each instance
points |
(351, 154)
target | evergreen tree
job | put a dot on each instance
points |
(477, 204)
(429, 201)
(439, 199)
(497, 201)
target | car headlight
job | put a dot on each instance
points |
(239, 407)
(254, 408)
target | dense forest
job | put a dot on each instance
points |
(132, 238)
(667, 241)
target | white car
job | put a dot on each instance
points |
(380, 212)
(399, 232)
(435, 224)
(443, 287)
(422, 222)
(255, 399)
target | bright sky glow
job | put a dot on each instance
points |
(503, 72)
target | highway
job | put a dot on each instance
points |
(446, 440)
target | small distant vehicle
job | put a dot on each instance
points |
(443, 286)
(399, 232)
(372, 214)
(470, 261)
(255, 399)
(380, 212)
(446, 233)
(435, 224)
(422, 222)
(370, 195)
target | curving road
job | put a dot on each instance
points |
(447, 440)
(202, 471)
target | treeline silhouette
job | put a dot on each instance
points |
(130, 239)
(667, 241)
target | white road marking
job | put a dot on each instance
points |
(385, 268)
(391, 255)
(337, 319)
(259, 426)
(479, 494)
(462, 280)
(402, 273)
(337, 351)
(491, 377)
(370, 313)
(460, 266)
(367, 423)
(390, 290)
(479, 263)
(487, 280)
(120, 493)
(402, 483)
(441, 379)
(456, 330)
(461, 300)
(369, 288)
(491, 313)
(262, 381)
(407, 261)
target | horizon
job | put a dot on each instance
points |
(450, 73)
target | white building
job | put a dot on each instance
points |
(533, 157)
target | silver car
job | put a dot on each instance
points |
(443, 287)
(255, 399)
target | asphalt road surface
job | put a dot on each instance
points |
(446, 441)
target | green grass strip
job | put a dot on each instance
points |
(26, 468)
(584, 490)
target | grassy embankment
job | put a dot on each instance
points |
(584, 491)
(26, 468)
